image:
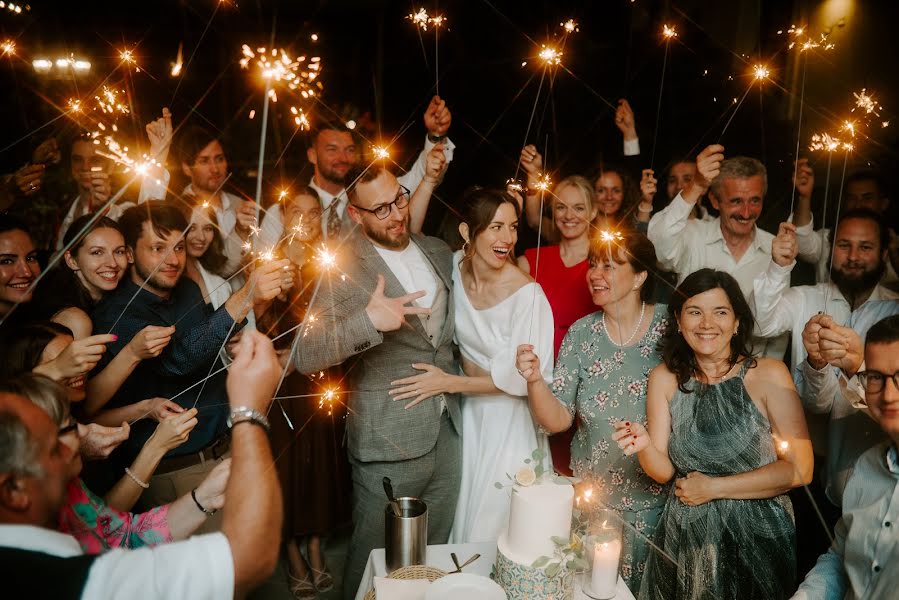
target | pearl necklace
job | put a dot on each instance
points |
(633, 333)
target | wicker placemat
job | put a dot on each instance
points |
(412, 572)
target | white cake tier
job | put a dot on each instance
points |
(537, 513)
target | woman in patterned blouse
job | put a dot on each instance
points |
(600, 379)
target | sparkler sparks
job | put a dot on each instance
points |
(299, 118)
(668, 32)
(326, 259)
(179, 61)
(380, 152)
(514, 185)
(277, 67)
(849, 126)
(760, 72)
(422, 19)
(127, 56)
(808, 42)
(326, 401)
(570, 26)
(550, 56)
(543, 183)
(609, 236)
(824, 141)
(9, 48)
(866, 102)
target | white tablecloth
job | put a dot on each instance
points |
(439, 557)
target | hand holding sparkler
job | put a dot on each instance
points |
(173, 431)
(708, 166)
(648, 186)
(27, 180)
(811, 341)
(160, 133)
(528, 363)
(389, 314)
(435, 164)
(437, 118)
(631, 436)
(98, 441)
(160, 409)
(254, 374)
(47, 153)
(840, 346)
(532, 163)
(266, 280)
(804, 179)
(784, 246)
(150, 341)
(100, 187)
(77, 358)
(246, 218)
(624, 120)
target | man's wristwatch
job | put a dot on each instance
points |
(245, 414)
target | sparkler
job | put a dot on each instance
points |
(127, 56)
(543, 183)
(327, 400)
(380, 152)
(570, 26)
(514, 185)
(421, 19)
(759, 73)
(8, 47)
(550, 56)
(179, 61)
(668, 32)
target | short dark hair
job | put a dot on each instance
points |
(869, 175)
(193, 140)
(676, 353)
(359, 174)
(637, 251)
(80, 223)
(9, 222)
(164, 217)
(884, 331)
(23, 345)
(321, 125)
(868, 215)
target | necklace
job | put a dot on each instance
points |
(712, 379)
(633, 333)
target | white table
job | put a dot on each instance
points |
(439, 557)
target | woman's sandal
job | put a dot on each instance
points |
(302, 589)
(323, 579)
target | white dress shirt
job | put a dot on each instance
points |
(200, 567)
(861, 562)
(412, 270)
(273, 228)
(779, 308)
(685, 245)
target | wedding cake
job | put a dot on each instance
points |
(537, 513)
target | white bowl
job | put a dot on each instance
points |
(462, 586)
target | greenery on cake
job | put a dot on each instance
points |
(532, 471)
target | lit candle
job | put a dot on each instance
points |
(604, 579)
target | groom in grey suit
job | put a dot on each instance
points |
(387, 306)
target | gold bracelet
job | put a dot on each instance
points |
(134, 478)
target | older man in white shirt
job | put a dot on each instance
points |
(333, 152)
(731, 242)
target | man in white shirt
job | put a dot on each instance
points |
(863, 189)
(203, 161)
(333, 152)
(858, 265)
(731, 242)
(387, 308)
(860, 564)
(89, 170)
(48, 564)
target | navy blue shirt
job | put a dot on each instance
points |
(189, 357)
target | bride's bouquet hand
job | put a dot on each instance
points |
(631, 436)
(432, 382)
(528, 363)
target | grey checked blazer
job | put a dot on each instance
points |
(379, 428)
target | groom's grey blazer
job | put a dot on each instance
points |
(379, 428)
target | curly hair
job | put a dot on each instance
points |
(676, 353)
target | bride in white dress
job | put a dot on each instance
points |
(498, 307)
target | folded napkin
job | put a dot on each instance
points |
(401, 589)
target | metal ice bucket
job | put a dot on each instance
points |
(406, 536)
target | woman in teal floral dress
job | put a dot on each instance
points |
(600, 378)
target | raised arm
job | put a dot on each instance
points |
(254, 508)
(666, 227)
(421, 198)
(549, 411)
(437, 119)
(773, 302)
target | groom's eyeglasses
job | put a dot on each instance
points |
(382, 211)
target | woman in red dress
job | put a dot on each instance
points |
(562, 271)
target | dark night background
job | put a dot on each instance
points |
(373, 61)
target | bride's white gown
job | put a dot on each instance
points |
(498, 433)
